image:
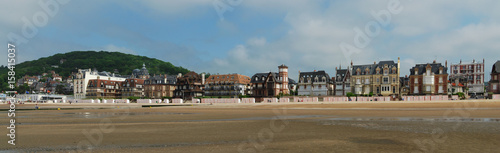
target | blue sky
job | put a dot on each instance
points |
(258, 35)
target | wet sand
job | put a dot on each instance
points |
(295, 127)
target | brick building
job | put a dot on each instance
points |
(227, 85)
(159, 86)
(494, 83)
(100, 88)
(132, 87)
(473, 71)
(271, 84)
(429, 79)
(190, 85)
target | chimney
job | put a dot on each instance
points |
(314, 70)
(474, 61)
(434, 62)
(374, 62)
(203, 78)
(446, 63)
(336, 68)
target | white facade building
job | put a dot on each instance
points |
(315, 84)
(84, 75)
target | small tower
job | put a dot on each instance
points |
(283, 76)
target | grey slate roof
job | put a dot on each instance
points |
(257, 78)
(496, 67)
(312, 75)
(373, 67)
(160, 79)
(434, 68)
(341, 74)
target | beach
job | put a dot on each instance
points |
(456, 126)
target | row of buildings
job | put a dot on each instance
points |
(382, 78)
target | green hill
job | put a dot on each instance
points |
(65, 64)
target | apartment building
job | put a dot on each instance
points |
(473, 71)
(378, 78)
(227, 85)
(429, 79)
(317, 83)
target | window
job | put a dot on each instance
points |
(386, 80)
(440, 89)
(428, 88)
(393, 89)
(415, 90)
(440, 80)
(393, 80)
(416, 80)
(378, 80)
(494, 87)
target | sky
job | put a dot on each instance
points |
(256, 36)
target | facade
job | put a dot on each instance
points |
(457, 84)
(103, 88)
(227, 85)
(429, 79)
(494, 83)
(83, 76)
(159, 86)
(190, 85)
(132, 88)
(473, 71)
(271, 84)
(292, 86)
(342, 81)
(317, 83)
(404, 88)
(378, 78)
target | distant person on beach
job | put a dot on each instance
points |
(36, 106)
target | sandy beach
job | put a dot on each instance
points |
(464, 126)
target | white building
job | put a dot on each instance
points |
(317, 83)
(84, 75)
(41, 97)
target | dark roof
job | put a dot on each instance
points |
(257, 78)
(373, 67)
(496, 67)
(312, 75)
(434, 68)
(291, 81)
(160, 79)
(341, 74)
